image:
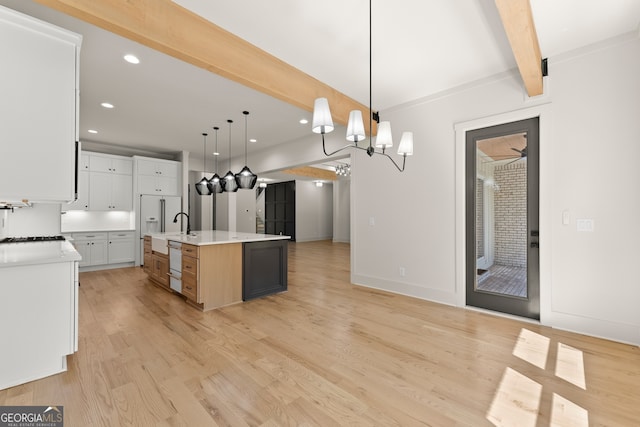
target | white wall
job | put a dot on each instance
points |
(589, 149)
(246, 211)
(342, 210)
(314, 211)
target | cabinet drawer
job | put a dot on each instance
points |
(89, 236)
(189, 265)
(190, 287)
(115, 235)
(190, 250)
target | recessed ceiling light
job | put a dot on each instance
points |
(253, 140)
(92, 131)
(107, 105)
(304, 121)
(131, 59)
(215, 153)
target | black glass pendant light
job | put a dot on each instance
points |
(245, 178)
(202, 186)
(228, 182)
(214, 184)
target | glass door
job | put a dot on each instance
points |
(502, 247)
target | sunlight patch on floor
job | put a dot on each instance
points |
(566, 413)
(570, 365)
(532, 347)
(516, 402)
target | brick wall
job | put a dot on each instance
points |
(479, 218)
(511, 214)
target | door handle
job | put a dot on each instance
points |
(535, 245)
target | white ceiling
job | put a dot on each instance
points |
(419, 48)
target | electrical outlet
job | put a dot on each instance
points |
(372, 221)
(403, 272)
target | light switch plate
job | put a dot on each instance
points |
(584, 224)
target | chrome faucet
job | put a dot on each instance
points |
(175, 219)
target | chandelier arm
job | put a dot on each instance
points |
(324, 148)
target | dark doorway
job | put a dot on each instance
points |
(280, 209)
(502, 209)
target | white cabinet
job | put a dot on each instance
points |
(93, 248)
(38, 106)
(110, 191)
(110, 164)
(156, 176)
(121, 246)
(38, 320)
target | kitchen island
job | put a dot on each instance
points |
(214, 268)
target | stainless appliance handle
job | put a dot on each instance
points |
(162, 215)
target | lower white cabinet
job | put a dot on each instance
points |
(121, 246)
(92, 247)
(104, 248)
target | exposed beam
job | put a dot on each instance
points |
(312, 172)
(169, 28)
(517, 20)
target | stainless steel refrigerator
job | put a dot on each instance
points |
(156, 216)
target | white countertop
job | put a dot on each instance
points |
(216, 237)
(29, 253)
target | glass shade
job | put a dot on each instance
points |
(355, 127)
(229, 183)
(214, 184)
(406, 144)
(322, 121)
(202, 187)
(384, 139)
(245, 179)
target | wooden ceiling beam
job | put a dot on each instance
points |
(311, 172)
(169, 28)
(517, 20)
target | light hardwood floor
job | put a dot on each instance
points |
(326, 353)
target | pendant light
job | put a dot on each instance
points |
(245, 178)
(323, 123)
(214, 184)
(229, 183)
(202, 186)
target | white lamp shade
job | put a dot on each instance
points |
(355, 127)
(406, 144)
(322, 121)
(384, 138)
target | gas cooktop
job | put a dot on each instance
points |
(31, 239)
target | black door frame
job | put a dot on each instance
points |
(525, 307)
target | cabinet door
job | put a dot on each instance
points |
(121, 250)
(121, 192)
(99, 163)
(146, 167)
(84, 249)
(38, 109)
(99, 191)
(83, 193)
(167, 186)
(168, 170)
(122, 166)
(84, 163)
(99, 252)
(147, 184)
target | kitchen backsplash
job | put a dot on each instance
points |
(41, 219)
(73, 221)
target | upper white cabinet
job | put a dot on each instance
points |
(110, 182)
(39, 109)
(156, 176)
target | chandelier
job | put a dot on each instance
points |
(323, 123)
(343, 170)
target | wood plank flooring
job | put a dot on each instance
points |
(326, 353)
